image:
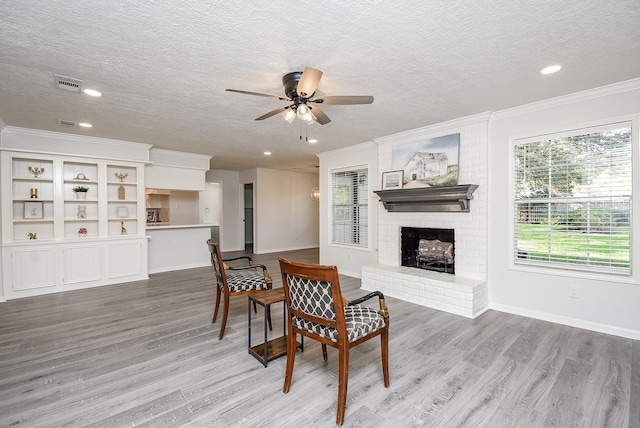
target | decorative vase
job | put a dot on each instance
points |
(33, 193)
(81, 195)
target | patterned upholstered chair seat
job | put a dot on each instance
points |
(245, 281)
(361, 321)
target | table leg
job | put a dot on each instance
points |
(266, 309)
(249, 323)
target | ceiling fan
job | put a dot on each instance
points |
(299, 88)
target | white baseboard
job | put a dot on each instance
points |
(571, 322)
(172, 268)
(351, 274)
(281, 250)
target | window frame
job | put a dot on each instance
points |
(331, 241)
(576, 271)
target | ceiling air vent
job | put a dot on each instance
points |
(67, 123)
(68, 83)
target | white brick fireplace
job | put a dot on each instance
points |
(464, 293)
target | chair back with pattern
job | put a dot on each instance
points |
(218, 266)
(314, 299)
(316, 309)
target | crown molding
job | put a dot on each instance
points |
(430, 131)
(589, 94)
(165, 157)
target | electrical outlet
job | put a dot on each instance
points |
(573, 291)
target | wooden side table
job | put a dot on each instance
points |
(274, 348)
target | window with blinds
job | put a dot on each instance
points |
(572, 196)
(349, 207)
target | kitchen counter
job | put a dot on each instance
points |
(178, 246)
(151, 226)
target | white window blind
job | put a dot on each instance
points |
(572, 200)
(349, 207)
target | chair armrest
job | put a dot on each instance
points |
(384, 311)
(252, 267)
(238, 258)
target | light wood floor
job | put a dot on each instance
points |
(146, 354)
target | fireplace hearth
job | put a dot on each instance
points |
(428, 248)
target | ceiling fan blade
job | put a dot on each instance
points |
(308, 82)
(344, 100)
(321, 118)
(272, 113)
(257, 94)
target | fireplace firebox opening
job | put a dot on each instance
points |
(428, 248)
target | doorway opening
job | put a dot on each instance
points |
(248, 216)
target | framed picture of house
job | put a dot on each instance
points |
(392, 180)
(33, 210)
(431, 162)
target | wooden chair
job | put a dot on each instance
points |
(316, 309)
(236, 281)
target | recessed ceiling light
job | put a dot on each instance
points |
(313, 141)
(85, 125)
(551, 69)
(93, 92)
(267, 153)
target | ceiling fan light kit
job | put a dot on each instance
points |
(289, 115)
(299, 88)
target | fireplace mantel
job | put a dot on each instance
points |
(428, 199)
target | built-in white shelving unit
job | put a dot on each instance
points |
(55, 239)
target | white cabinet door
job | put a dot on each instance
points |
(82, 263)
(125, 259)
(33, 268)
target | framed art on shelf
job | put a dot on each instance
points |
(392, 180)
(33, 210)
(152, 216)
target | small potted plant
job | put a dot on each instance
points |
(81, 192)
(82, 231)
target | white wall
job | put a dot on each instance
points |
(349, 260)
(209, 204)
(184, 207)
(603, 304)
(230, 218)
(285, 216)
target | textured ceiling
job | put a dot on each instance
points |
(163, 66)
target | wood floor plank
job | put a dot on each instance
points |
(146, 354)
(634, 395)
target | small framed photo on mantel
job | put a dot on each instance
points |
(392, 180)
